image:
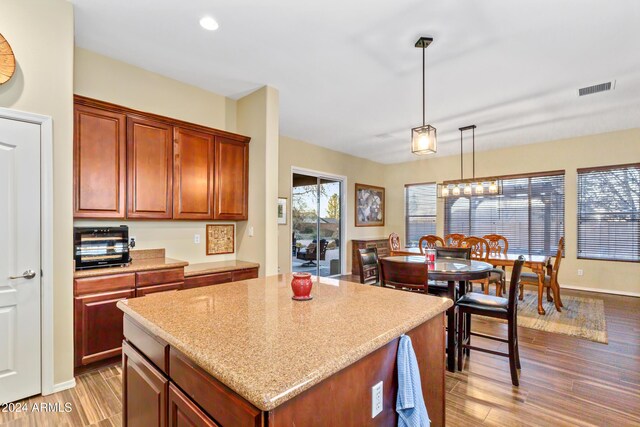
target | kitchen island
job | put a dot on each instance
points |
(247, 354)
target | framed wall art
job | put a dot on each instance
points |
(369, 203)
(220, 239)
(282, 210)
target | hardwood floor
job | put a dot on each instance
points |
(565, 381)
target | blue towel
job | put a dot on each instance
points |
(410, 402)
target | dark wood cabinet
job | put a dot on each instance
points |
(381, 245)
(98, 326)
(184, 413)
(219, 278)
(231, 179)
(138, 165)
(146, 391)
(149, 169)
(193, 174)
(140, 292)
(99, 163)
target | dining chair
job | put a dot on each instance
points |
(480, 252)
(550, 279)
(498, 245)
(430, 242)
(404, 276)
(394, 243)
(453, 240)
(498, 308)
(442, 288)
(368, 266)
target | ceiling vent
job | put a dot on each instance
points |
(602, 87)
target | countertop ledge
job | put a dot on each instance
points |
(274, 348)
(203, 268)
(134, 266)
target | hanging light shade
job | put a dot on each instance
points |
(479, 188)
(424, 138)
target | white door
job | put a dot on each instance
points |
(20, 352)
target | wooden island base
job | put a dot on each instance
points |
(162, 387)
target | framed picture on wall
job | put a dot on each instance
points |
(282, 210)
(369, 203)
(220, 239)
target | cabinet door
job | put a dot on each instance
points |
(231, 179)
(144, 391)
(98, 326)
(192, 175)
(150, 169)
(184, 413)
(99, 163)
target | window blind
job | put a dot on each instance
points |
(609, 213)
(529, 213)
(420, 212)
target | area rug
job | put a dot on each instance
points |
(580, 317)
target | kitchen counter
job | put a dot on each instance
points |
(217, 267)
(135, 265)
(252, 337)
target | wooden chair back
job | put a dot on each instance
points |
(498, 244)
(479, 247)
(394, 242)
(556, 263)
(453, 253)
(454, 240)
(368, 265)
(430, 242)
(409, 276)
(513, 286)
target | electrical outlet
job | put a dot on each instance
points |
(580, 272)
(376, 399)
(196, 239)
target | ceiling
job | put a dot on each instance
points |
(350, 78)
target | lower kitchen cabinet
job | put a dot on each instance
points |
(184, 413)
(145, 389)
(140, 292)
(98, 326)
(218, 278)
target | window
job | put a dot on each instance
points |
(529, 213)
(420, 211)
(609, 213)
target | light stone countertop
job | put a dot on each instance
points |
(254, 338)
(217, 267)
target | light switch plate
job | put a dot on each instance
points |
(580, 272)
(250, 231)
(196, 239)
(376, 399)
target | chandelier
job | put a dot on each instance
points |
(471, 186)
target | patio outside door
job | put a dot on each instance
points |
(317, 245)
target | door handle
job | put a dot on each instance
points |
(29, 274)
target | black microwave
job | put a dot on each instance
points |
(101, 247)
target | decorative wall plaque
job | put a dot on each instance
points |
(220, 239)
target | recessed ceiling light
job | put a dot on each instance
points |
(208, 23)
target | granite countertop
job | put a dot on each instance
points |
(217, 267)
(144, 264)
(254, 338)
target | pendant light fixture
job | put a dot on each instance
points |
(423, 138)
(469, 187)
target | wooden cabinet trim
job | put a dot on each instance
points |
(82, 100)
(153, 347)
(246, 274)
(120, 172)
(159, 277)
(207, 280)
(147, 290)
(99, 284)
(221, 403)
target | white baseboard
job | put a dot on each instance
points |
(601, 291)
(64, 385)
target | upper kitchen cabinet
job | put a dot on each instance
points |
(99, 163)
(192, 174)
(231, 179)
(149, 168)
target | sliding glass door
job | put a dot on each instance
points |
(316, 224)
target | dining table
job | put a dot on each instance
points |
(453, 271)
(536, 263)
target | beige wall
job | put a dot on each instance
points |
(258, 117)
(568, 154)
(107, 79)
(41, 35)
(294, 153)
